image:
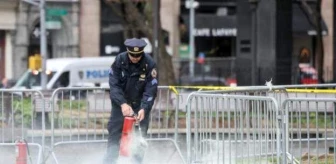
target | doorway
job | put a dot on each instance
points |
(216, 46)
(34, 43)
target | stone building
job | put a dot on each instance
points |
(74, 30)
(20, 36)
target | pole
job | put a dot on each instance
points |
(155, 30)
(43, 40)
(43, 45)
(334, 43)
(254, 45)
(191, 38)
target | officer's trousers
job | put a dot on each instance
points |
(114, 127)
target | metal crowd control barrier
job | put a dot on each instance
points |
(220, 118)
(311, 93)
(20, 121)
(232, 128)
(83, 114)
(310, 130)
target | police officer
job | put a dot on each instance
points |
(133, 86)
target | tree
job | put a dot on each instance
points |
(315, 19)
(137, 16)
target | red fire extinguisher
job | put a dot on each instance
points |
(21, 152)
(126, 136)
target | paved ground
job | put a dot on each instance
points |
(163, 152)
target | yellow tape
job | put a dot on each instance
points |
(312, 90)
(174, 89)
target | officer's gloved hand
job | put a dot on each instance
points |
(127, 110)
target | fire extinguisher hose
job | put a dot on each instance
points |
(28, 152)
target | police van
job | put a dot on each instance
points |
(69, 72)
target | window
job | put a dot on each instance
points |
(32, 79)
(63, 80)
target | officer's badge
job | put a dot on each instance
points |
(136, 49)
(142, 77)
(154, 73)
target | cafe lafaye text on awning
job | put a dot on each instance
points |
(215, 32)
(207, 25)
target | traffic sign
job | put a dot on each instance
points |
(184, 51)
(56, 12)
(53, 25)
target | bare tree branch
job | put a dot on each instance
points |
(309, 13)
(136, 21)
(115, 10)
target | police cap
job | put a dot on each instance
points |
(135, 47)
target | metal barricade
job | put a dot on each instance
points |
(232, 128)
(234, 125)
(310, 130)
(79, 116)
(300, 138)
(83, 114)
(19, 122)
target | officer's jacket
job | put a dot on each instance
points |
(133, 83)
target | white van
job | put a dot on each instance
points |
(70, 72)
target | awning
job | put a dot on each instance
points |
(226, 26)
(302, 25)
(213, 26)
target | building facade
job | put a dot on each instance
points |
(75, 28)
(89, 32)
(7, 32)
(328, 16)
(82, 28)
(266, 38)
(21, 36)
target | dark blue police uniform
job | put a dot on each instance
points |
(134, 84)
